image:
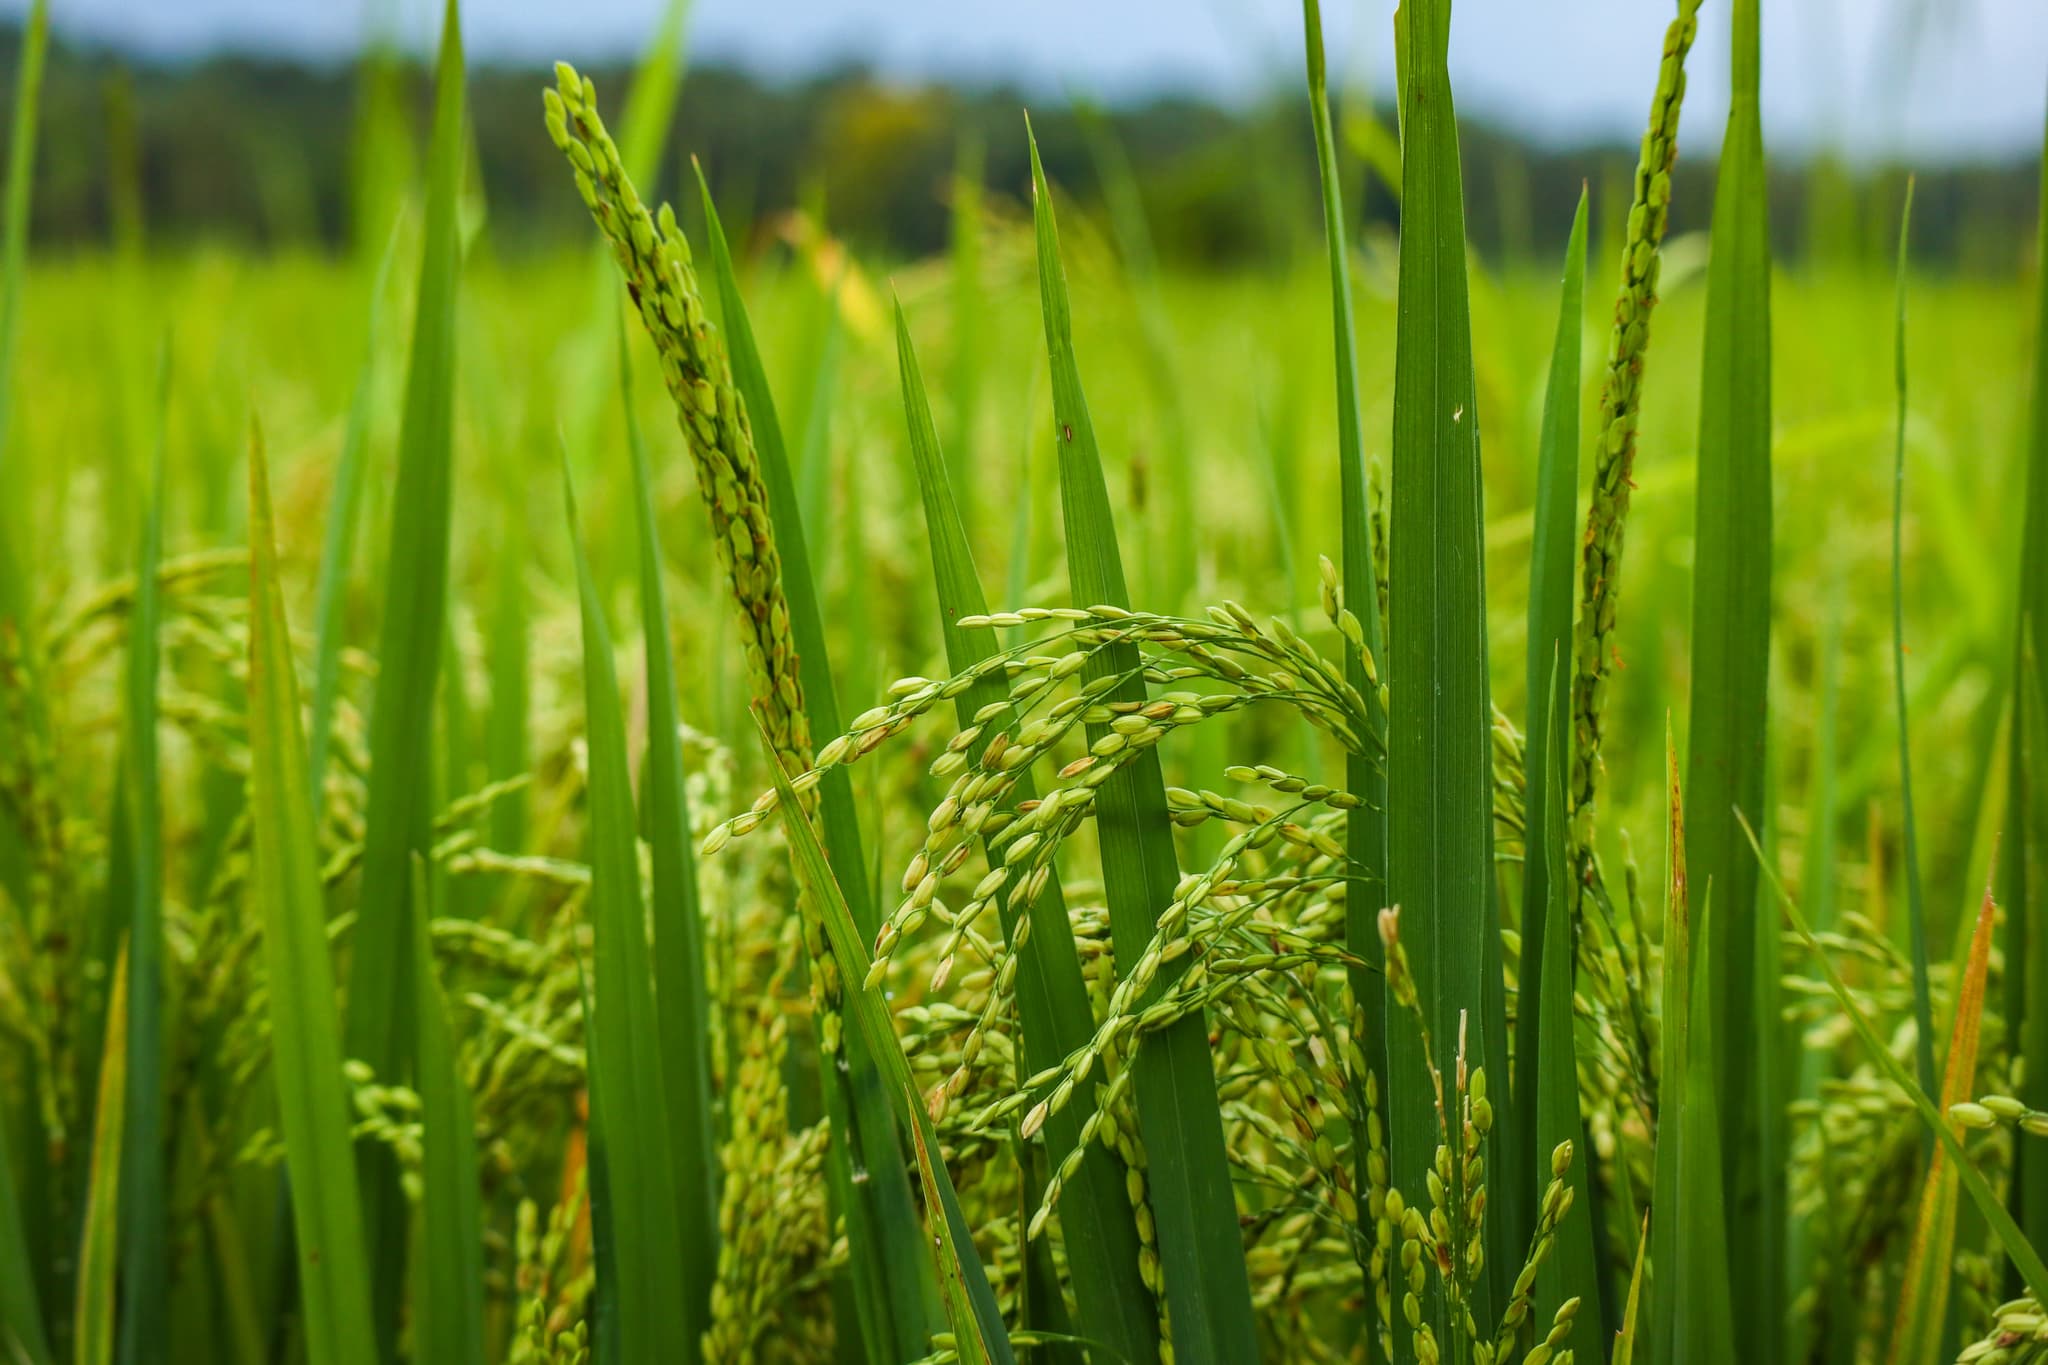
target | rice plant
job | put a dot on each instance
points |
(583, 967)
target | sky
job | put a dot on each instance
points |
(1927, 80)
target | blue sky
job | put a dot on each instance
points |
(1971, 80)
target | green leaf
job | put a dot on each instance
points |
(1366, 777)
(1916, 901)
(337, 549)
(450, 1313)
(99, 1247)
(1208, 1292)
(334, 1283)
(397, 819)
(2026, 839)
(145, 1166)
(1837, 1284)
(1114, 1306)
(1544, 754)
(1631, 1316)
(1573, 1269)
(976, 1321)
(1731, 624)
(887, 1260)
(1690, 1314)
(970, 1338)
(629, 1101)
(682, 1006)
(1439, 752)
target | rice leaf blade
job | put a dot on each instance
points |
(1102, 1246)
(2026, 841)
(1916, 901)
(1208, 1292)
(93, 1324)
(450, 1318)
(1690, 1316)
(630, 1107)
(145, 1174)
(1549, 639)
(1572, 1271)
(1631, 1315)
(1439, 759)
(1731, 627)
(1544, 752)
(333, 1270)
(397, 819)
(681, 997)
(1365, 828)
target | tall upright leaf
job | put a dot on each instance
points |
(334, 1276)
(449, 1315)
(1690, 1315)
(1208, 1292)
(21, 1312)
(1365, 827)
(2026, 841)
(1730, 668)
(145, 1165)
(1916, 902)
(397, 819)
(1550, 640)
(890, 1263)
(630, 1108)
(1439, 755)
(681, 1000)
(1053, 1009)
(1551, 1103)
(93, 1325)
